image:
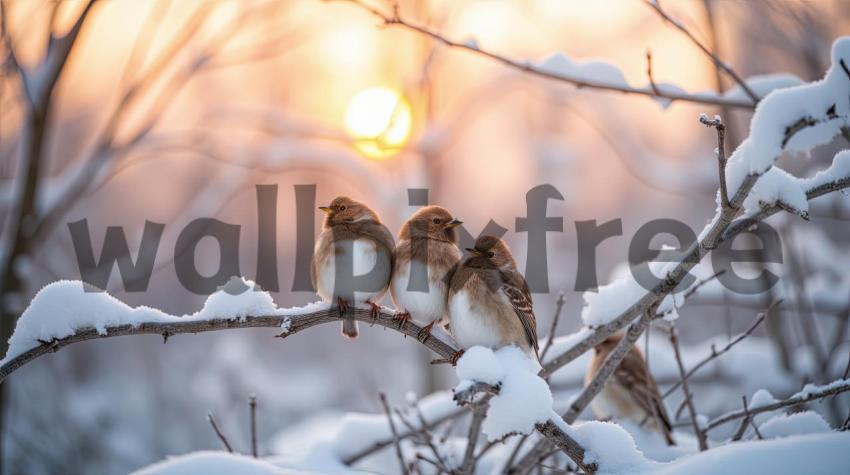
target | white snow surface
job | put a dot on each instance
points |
(524, 398)
(212, 463)
(800, 423)
(62, 308)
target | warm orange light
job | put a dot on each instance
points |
(379, 120)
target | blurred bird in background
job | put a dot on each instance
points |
(489, 300)
(631, 392)
(426, 253)
(352, 259)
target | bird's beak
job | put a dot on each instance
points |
(326, 209)
(453, 223)
(473, 252)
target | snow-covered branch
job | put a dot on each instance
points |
(91, 315)
(808, 394)
(562, 69)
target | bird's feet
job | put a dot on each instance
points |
(456, 356)
(401, 318)
(374, 310)
(342, 306)
(425, 332)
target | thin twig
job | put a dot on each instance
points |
(750, 418)
(396, 440)
(559, 306)
(221, 436)
(720, 127)
(716, 60)
(674, 341)
(716, 353)
(252, 404)
(525, 66)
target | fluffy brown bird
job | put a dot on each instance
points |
(489, 300)
(352, 258)
(631, 392)
(428, 239)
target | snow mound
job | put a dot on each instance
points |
(801, 423)
(211, 463)
(611, 448)
(524, 398)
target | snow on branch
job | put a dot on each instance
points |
(796, 119)
(67, 312)
(809, 393)
(591, 75)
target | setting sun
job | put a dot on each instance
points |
(379, 120)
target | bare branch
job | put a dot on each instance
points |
(689, 400)
(395, 19)
(559, 306)
(396, 440)
(718, 125)
(714, 59)
(221, 436)
(479, 410)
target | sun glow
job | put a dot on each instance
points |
(379, 120)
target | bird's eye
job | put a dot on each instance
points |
(436, 220)
(342, 208)
(491, 254)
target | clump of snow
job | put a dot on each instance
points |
(806, 422)
(211, 463)
(762, 397)
(840, 168)
(285, 325)
(595, 71)
(61, 308)
(238, 298)
(524, 398)
(611, 448)
(777, 186)
(480, 364)
(782, 110)
(471, 43)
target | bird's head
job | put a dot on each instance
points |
(345, 210)
(433, 222)
(493, 251)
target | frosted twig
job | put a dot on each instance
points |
(716, 60)
(395, 19)
(396, 440)
(218, 433)
(689, 400)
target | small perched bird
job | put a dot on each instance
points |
(630, 393)
(489, 300)
(428, 239)
(352, 230)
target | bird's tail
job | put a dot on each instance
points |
(349, 328)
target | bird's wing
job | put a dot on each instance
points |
(634, 376)
(516, 288)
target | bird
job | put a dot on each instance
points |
(630, 393)
(352, 229)
(430, 239)
(489, 302)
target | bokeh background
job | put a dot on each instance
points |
(196, 102)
